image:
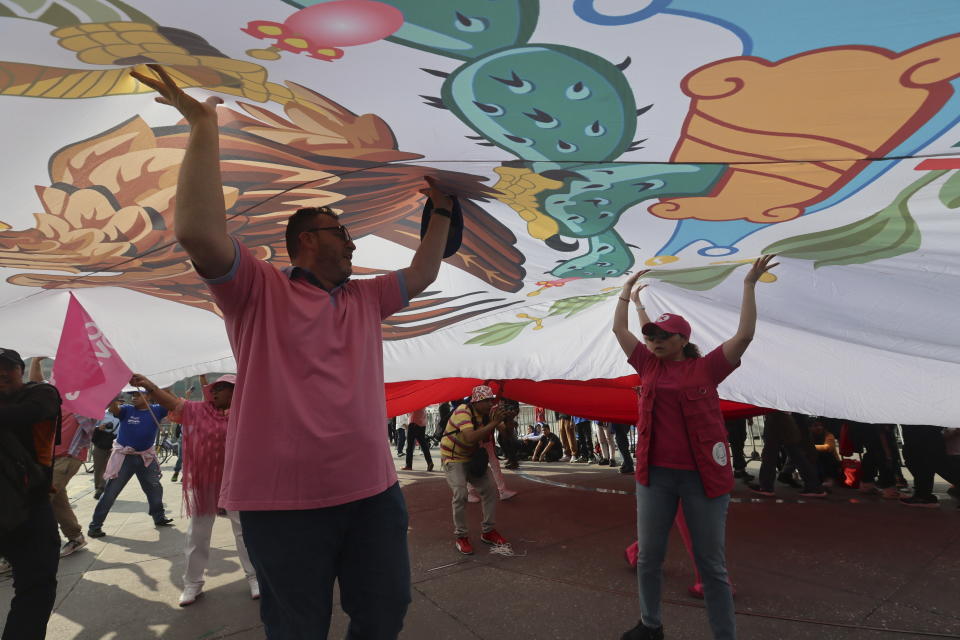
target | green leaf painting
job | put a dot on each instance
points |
(950, 191)
(571, 306)
(499, 333)
(695, 278)
(888, 233)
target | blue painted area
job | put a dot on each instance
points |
(775, 30)
(725, 235)
(587, 12)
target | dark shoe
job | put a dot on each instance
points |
(790, 481)
(406, 468)
(603, 462)
(175, 476)
(930, 502)
(641, 632)
(164, 522)
(760, 491)
(613, 462)
(819, 492)
(97, 494)
(743, 475)
(95, 532)
(626, 469)
(429, 466)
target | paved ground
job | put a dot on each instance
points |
(844, 568)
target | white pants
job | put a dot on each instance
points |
(198, 547)
(607, 445)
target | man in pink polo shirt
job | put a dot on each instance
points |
(306, 464)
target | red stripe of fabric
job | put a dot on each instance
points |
(607, 399)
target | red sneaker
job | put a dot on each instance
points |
(464, 546)
(492, 537)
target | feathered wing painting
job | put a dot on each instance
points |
(684, 138)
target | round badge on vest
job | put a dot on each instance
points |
(455, 235)
(720, 454)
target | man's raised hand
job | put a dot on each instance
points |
(439, 198)
(171, 93)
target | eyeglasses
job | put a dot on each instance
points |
(340, 230)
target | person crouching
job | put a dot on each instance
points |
(464, 458)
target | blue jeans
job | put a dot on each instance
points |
(149, 478)
(299, 554)
(706, 518)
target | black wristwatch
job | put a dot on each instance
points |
(446, 213)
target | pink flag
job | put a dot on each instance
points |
(88, 371)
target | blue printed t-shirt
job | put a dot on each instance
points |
(138, 429)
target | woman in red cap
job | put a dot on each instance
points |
(682, 456)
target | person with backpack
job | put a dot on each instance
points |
(466, 459)
(68, 456)
(133, 454)
(29, 430)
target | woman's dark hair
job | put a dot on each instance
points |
(691, 350)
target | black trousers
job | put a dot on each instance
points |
(401, 435)
(584, 431)
(737, 436)
(418, 433)
(781, 430)
(509, 445)
(33, 550)
(620, 435)
(878, 465)
(926, 455)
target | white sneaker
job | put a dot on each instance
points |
(190, 594)
(506, 494)
(472, 497)
(564, 459)
(72, 545)
(254, 588)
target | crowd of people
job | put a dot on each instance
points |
(309, 336)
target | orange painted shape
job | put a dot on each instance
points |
(838, 105)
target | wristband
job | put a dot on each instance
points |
(455, 233)
(625, 299)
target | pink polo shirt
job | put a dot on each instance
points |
(308, 417)
(419, 417)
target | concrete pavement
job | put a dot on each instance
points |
(849, 568)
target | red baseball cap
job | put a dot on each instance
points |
(670, 323)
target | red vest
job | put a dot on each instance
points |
(705, 429)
